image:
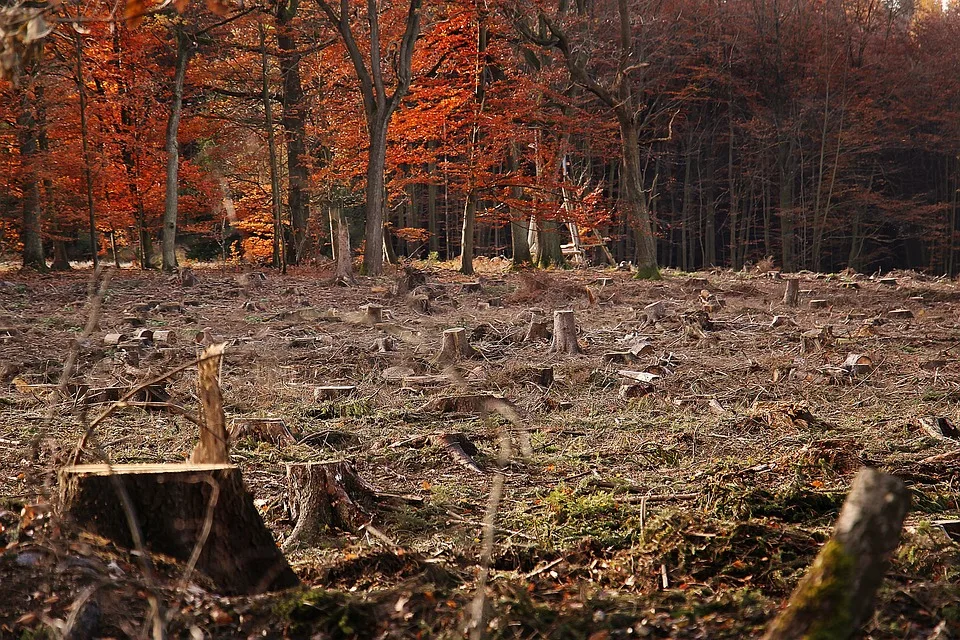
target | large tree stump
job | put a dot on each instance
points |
(836, 595)
(564, 332)
(454, 346)
(325, 496)
(791, 295)
(172, 504)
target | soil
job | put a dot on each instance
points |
(686, 506)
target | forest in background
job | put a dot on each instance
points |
(687, 133)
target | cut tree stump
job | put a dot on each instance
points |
(420, 303)
(564, 333)
(471, 287)
(454, 346)
(273, 430)
(325, 496)
(900, 314)
(791, 295)
(384, 345)
(654, 312)
(836, 595)
(537, 330)
(819, 304)
(372, 313)
(335, 392)
(172, 505)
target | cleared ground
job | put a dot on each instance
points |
(689, 511)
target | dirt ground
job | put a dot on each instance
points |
(689, 510)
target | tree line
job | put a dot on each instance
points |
(682, 133)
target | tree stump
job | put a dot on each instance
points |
(373, 314)
(564, 332)
(420, 303)
(471, 287)
(325, 496)
(384, 345)
(654, 312)
(791, 295)
(272, 430)
(454, 346)
(537, 330)
(172, 504)
(819, 304)
(836, 595)
(213, 446)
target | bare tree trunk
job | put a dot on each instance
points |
(466, 239)
(294, 117)
(169, 245)
(637, 202)
(30, 185)
(85, 146)
(343, 255)
(279, 259)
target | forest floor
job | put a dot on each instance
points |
(688, 511)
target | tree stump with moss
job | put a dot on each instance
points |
(325, 496)
(177, 506)
(836, 595)
(564, 333)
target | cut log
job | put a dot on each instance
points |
(213, 446)
(325, 496)
(836, 595)
(164, 336)
(114, 339)
(564, 333)
(819, 304)
(791, 295)
(900, 314)
(471, 287)
(173, 505)
(272, 430)
(858, 364)
(454, 346)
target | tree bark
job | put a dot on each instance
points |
(636, 201)
(836, 595)
(169, 237)
(85, 146)
(325, 496)
(279, 259)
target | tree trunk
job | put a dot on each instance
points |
(432, 209)
(466, 239)
(85, 146)
(293, 118)
(343, 254)
(30, 186)
(836, 595)
(787, 166)
(60, 260)
(374, 240)
(636, 202)
(177, 506)
(549, 252)
(169, 246)
(279, 259)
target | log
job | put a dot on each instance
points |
(325, 496)
(564, 333)
(836, 595)
(171, 503)
(454, 346)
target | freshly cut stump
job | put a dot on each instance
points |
(454, 346)
(325, 496)
(836, 595)
(564, 333)
(172, 503)
(791, 295)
